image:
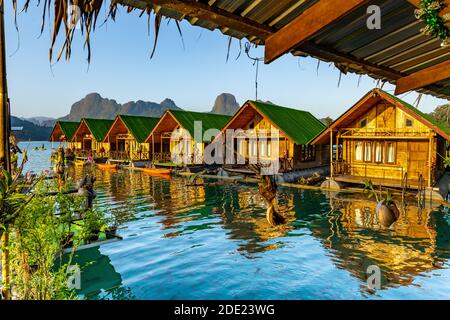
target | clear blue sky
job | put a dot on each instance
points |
(122, 70)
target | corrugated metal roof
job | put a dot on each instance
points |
(398, 46)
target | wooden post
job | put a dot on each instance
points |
(331, 153)
(153, 148)
(4, 147)
(4, 110)
(430, 150)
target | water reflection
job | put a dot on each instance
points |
(176, 236)
(348, 228)
(357, 239)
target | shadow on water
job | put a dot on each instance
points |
(214, 241)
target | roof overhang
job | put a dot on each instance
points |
(160, 123)
(238, 114)
(362, 106)
(396, 53)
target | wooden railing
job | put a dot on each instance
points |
(286, 164)
(129, 155)
(382, 132)
(341, 167)
(162, 157)
(93, 153)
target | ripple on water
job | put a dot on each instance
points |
(214, 242)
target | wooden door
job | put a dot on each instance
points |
(417, 159)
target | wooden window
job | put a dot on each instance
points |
(269, 148)
(378, 152)
(358, 151)
(363, 123)
(408, 123)
(390, 152)
(262, 148)
(308, 153)
(368, 151)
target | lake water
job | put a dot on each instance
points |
(213, 242)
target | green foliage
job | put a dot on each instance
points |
(435, 25)
(39, 225)
(442, 114)
(368, 185)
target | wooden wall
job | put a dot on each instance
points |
(414, 145)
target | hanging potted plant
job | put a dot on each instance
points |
(386, 209)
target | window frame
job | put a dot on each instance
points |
(394, 150)
(366, 120)
(365, 143)
(381, 143)
(362, 151)
(406, 122)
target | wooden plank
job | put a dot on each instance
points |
(226, 19)
(311, 21)
(199, 10)
(423, 78)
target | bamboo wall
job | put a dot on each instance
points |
(415, 146)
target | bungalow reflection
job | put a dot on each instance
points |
(405, 250)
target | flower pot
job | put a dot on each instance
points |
(387, 213)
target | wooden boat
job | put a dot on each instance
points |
(157, 171)
(107, 166)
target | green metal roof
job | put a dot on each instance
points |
(98, 127)
(300, 126)
(441, 125)
(208, 120)
(139, 127)
(68, 128)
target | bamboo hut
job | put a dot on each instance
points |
(89, 135)
(175, 136)
(386, 140)
(267, 131)
(63, 132)
(127, 136)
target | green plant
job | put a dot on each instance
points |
(435, 25)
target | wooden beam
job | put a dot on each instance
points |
(223, 18)
(306, 25)
(423, 78)
(199, 10)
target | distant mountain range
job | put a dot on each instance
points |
(95, 106)
(225, 104)
(26, 130)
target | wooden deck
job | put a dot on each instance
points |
(394, 183)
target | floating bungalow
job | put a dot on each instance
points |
(126, 138)
(174, 136)
(290, 129)
(63, 132)
(386, 140)
(89, 137)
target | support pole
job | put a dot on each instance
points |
(331, 154)
(4, 148)
(430, 150)
(4, 108)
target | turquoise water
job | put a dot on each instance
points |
(213, 242)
